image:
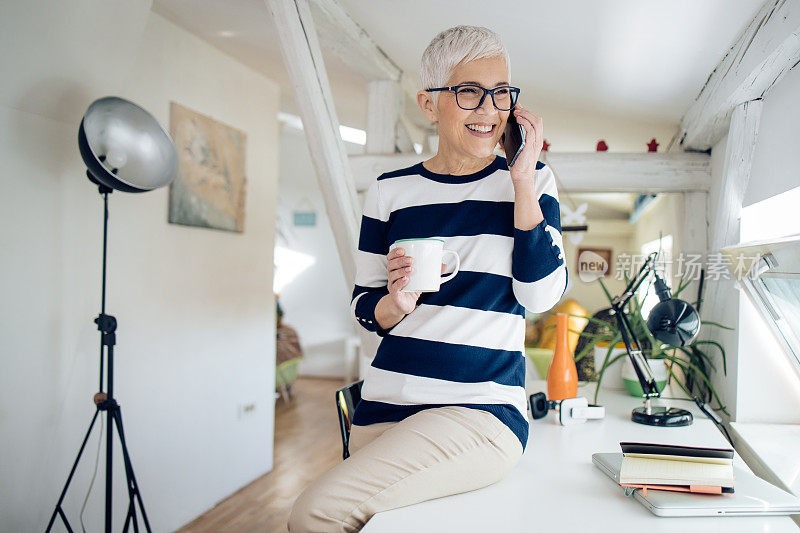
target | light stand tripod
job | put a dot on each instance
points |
(107, 325)
(126, 149)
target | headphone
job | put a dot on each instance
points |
(570, 410)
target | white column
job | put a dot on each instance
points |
(695, 235)
(303, 59)
(720, 299)
(383, 111)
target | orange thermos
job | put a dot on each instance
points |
(562, 377)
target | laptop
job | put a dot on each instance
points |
(752, 497)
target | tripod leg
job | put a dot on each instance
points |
(57, 510)
(133, 486)
(64, 518)
(131, 517)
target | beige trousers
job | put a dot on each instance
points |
(433, 453)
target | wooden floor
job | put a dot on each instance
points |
(307, 444)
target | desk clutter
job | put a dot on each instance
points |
(676, 468)
(570, 410)
(679, 487)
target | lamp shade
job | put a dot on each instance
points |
(125, 148)
(674, 322)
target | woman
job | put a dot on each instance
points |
(443, 407)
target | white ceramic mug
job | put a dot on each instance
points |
(428, 255)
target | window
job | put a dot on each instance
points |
(769, 273)
(288, 265)
(777, 216)
(663, 265)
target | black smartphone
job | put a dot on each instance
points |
(513, 138)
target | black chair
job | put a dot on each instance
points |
(347, 399)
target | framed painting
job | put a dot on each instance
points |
(209, 190)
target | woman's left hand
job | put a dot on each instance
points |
(525, 165)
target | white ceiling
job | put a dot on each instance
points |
(645, 59)
(602, 205)
(625, 60)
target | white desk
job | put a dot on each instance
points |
(555, 486)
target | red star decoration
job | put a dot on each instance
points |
(545, 145)
(652, 146)
(602, 146)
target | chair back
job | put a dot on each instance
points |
(347, 399)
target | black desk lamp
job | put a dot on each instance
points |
(671, 321)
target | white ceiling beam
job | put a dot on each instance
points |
(303, 59)
(767, 48)
(695, 235)
(649, 172)
(590, 171)
(403, 138)
(383, 116)
(340, 34)
(415, 133)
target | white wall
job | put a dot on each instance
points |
(317, 302)
(664, 217)
(590, 294)
(195, 306)
(574, 129)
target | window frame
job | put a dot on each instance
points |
(774, 256)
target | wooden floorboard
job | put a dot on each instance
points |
(307, 444)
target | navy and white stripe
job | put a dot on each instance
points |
(464, 344)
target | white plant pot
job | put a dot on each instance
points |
(658, 367)
(612, 377)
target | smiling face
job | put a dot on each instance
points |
(456, 126)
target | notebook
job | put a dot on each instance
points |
(753, 495)
(675, 467)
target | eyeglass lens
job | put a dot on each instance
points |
(469, 97)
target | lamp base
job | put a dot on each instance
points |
(662, 416)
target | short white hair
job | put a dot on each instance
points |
(454, 45)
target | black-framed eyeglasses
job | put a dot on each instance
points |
(469, 96)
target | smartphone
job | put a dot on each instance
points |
(513, 138)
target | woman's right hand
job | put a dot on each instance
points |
(399, 268)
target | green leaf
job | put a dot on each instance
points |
(682, 284)
(614, 342)
(721, 350)
(605, 290)
(678, 381)
(697, 372)
(693, 353)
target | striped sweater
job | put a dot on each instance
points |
(462, 345)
